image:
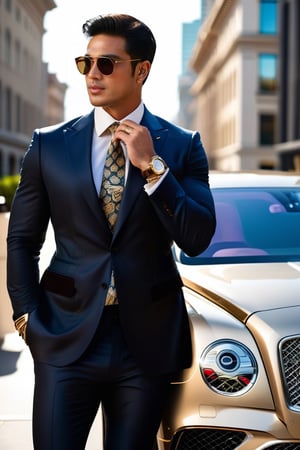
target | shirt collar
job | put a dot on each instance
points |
(103, 120)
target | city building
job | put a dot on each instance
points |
(235, 106)
(187, 77)
(56, 99)
(190, 31)
(25, 101)
(288, 148)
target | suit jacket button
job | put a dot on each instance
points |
(168, 210)
(104, 285)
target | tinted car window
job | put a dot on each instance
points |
(254, 225)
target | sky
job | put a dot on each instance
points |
(64, 40)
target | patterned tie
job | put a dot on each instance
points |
(111, 194)
(113, 179)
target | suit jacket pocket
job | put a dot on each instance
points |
(58, 284)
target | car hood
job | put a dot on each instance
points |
(247, 287)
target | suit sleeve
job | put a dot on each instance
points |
(184, 202)
(26, 233)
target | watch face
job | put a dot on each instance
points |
(158, 166)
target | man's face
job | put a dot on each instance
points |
(120, 92)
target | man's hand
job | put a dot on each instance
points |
(138, 143)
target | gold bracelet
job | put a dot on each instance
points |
(21, 325)
(153, 178)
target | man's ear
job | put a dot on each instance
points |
(143, 71)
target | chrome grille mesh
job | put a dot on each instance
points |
(290, 361)
(207, 439)
(226, 384)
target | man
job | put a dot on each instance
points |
(107, 322)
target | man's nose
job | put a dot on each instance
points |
(94, 70)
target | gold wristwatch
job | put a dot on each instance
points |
(155, 170)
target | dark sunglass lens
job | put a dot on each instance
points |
(105, 65)
(83, 65)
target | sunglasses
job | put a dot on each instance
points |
(104, 64)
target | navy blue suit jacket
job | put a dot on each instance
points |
(66, 304)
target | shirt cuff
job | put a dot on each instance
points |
(151, 187)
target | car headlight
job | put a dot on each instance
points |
(228, 367)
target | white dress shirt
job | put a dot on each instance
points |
(101, 142)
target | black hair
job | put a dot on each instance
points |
(139, 40)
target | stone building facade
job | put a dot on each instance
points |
(25, 90)
(235, 93)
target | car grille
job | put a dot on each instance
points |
(290, 361)
(226, 384)
(207, 439)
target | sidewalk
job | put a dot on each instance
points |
(16, 391)
(16, 387)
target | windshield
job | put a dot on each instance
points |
(253, 225)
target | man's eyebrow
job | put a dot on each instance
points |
(109, 55)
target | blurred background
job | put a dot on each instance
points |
(228, 68)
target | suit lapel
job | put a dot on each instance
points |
(133, 187)
(135, 182)
(78, 139)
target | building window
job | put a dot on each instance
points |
(267, 72)
(267, 129)
(1, 106)
(12, 165)
(18, 113)
(17, 55)
(8, 110)
(18, 14)
(7, 48)
(268, 16)
(8, 5)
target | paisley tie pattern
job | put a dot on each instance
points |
(113, 179)
(111, 194)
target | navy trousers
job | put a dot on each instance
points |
(66, 399)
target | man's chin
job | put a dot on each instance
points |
(97, 102)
